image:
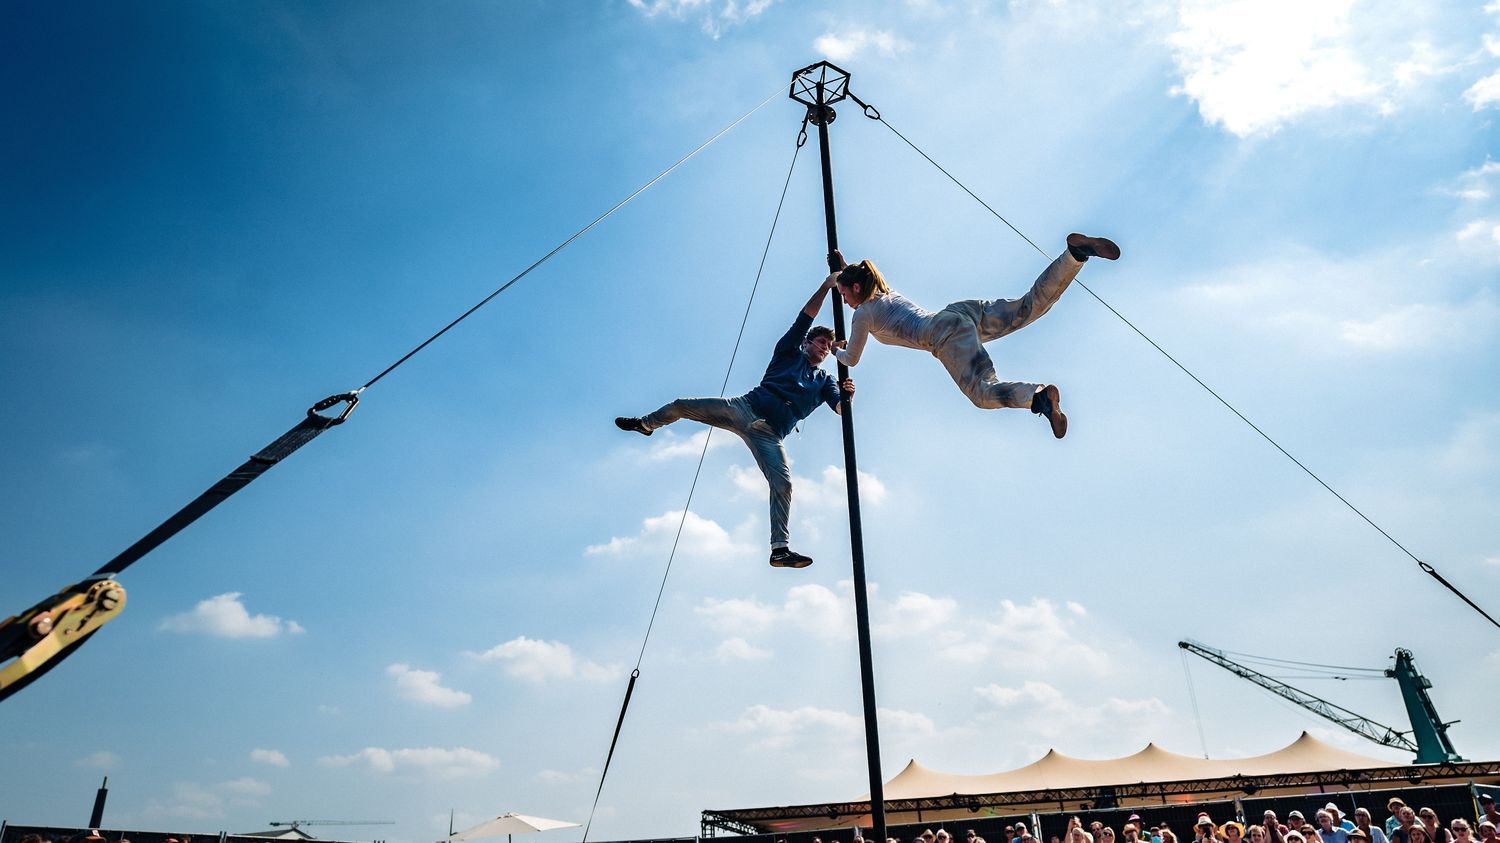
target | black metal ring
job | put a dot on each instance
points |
(872, 112)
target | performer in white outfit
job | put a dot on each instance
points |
(957, 333)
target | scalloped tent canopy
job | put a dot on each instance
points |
(1152, 764)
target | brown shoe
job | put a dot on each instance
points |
(1091, 247)
(629, 423)
(1048, 403)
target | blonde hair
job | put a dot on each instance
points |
(871, 282)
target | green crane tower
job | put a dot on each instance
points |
(1431, 743)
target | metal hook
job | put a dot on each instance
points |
(349, 399)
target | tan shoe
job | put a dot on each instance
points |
(1100, 247)
(1048, 403)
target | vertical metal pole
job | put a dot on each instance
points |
(97, 816)
(856, 532)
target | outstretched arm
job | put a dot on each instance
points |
(849, 351)
(815, 303)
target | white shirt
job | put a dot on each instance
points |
(892, 318)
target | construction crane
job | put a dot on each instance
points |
(1431, 744)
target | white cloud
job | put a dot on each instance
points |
(773, 728)
(914, 613)
(831, 488)
(1041, 709)
(1252, 66)
(425, 687)
(811, 608)
(274, 757)
(224, 616)
(190, 800)
(828, 491)
(101, 760)
(246, 787)
(1361, 305)
(1474, 185)
(587, 774)
(1481, 235)
(701, 538)
(1030, 637)
(331, 710)
(739, 650)
(737, 614)
(850, 43)
(669, 445)
(539, 661)
(1484, 93)
(457, 762)
(824, 614)
(1420, 325)
(715, 16)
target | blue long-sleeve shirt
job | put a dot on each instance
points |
(792, 387)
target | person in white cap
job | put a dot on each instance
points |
(1338, 817)
(1329, 832)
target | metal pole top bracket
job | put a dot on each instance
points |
(819, 86)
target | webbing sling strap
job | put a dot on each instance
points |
(306, 431)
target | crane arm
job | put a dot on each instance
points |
(1358, 724)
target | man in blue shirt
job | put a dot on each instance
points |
(792, 387)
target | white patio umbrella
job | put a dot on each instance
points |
(508, 824)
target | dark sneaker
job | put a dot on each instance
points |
(785, 557)
(1092, 247)
(628, 423)
(1046, 402)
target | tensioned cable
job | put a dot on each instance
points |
(1253, 657)
(744, 320)
(315, 423)
(1426, 568)
(697, 472)
(564, 244)
(1325, 677)
(1193, 695)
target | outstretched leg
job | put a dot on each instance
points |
(970, 366)
(1002, 316)
(736, 416)
(717, 412)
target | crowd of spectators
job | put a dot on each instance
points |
(1330, 825)
(90, 835)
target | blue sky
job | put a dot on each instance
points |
(214, 214)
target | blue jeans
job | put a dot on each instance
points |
(735, 416)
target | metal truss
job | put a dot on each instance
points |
(749, 820)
